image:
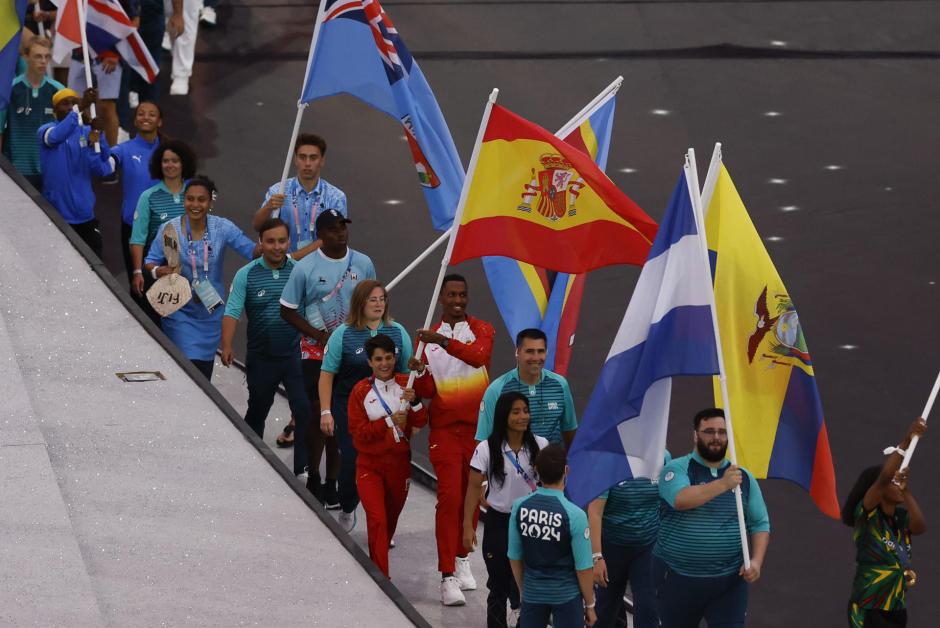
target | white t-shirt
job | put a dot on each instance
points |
(514, 485)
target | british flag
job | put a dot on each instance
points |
(107, 27)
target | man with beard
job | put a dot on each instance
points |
(698, 565)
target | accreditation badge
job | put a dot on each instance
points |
(207, 294)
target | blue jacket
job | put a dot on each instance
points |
(68, 161)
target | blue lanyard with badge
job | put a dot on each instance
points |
(515, 463)
(313, 216)
(396, 431)
(204, 289)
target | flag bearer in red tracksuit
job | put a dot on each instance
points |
(380, 433)
(457, 357)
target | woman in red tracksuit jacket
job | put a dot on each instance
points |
(380, 433)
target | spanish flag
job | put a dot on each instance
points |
(777, 415)
(537, 199)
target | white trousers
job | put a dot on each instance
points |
(184, 46)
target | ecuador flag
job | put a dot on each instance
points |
(779, 430)
(535, 198)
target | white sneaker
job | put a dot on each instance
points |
(167, 43)
(207, 16)
(347, 520)
(464, 575)
(450, 592)
(179, 86)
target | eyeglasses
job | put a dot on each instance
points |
(711, 431)
(376, 299)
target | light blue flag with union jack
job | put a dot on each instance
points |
(358, 51)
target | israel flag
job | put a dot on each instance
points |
(666, 331)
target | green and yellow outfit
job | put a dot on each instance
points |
(883, 546)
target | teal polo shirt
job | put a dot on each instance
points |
(631, 512)
(705, 541)
(550, 404)
(256, 290)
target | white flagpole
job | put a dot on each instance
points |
(410, 267)
(82, 12)
(711, 179)
(458, 215)
(301, 105)
(691, 174)
(596, 103)
(910, 448)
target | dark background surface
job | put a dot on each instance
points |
(855, 86)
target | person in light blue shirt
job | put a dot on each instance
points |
(698, 563)
(624, 522)
(305, 197)
(68, 160)
(550, 550)
(550, 402)
(203, 241)
(133, 159)
(322, 286)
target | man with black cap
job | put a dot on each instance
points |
(322, 284)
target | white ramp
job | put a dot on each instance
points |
(140, 504)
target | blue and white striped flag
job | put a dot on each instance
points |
(666, 331)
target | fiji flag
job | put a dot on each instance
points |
(531, 297)
(667, 331)
(358, 51)
(12, 15)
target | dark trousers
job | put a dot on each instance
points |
(627, 564)
(126, 249)
(316, 441)
(568, 614)
(204, 366)
(876, 618)
(348, 493)
(500, 581)
(684, 601)
(264, 374)
(35, 180)
(91, 234)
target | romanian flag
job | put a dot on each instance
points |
(528, 296)
(571, 217)
(777, 415)
(12, 15)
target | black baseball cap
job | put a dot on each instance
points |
(329, 218)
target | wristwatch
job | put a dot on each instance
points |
(445, 343)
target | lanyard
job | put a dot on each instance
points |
(398, 433)
(296, 209)
(342, 280)
(192, 251)
(515, 463)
